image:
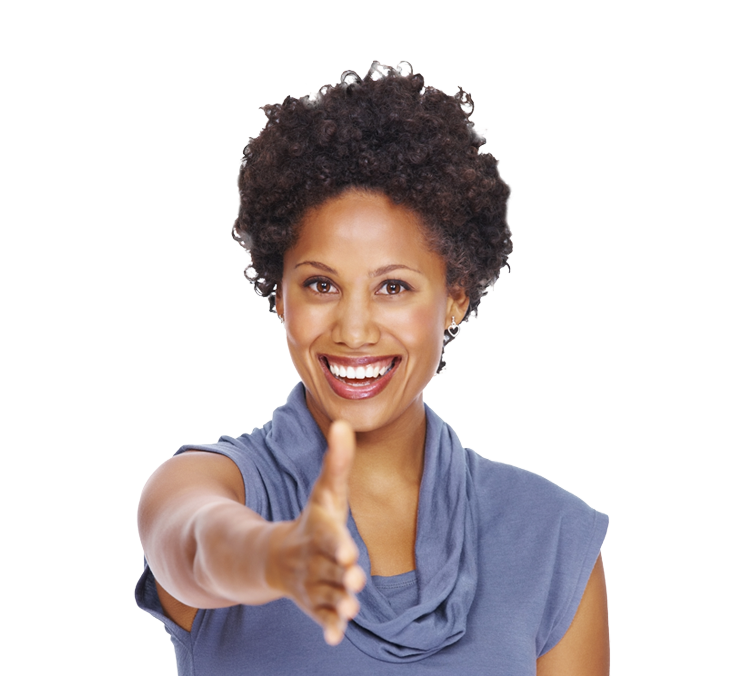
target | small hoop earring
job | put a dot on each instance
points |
(453, 329)
(281, 318)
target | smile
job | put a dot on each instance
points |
(359, 378)
(360, 372)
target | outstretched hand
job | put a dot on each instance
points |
(314, 563)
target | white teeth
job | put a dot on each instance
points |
(359, 372)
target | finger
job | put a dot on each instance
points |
(334, 627)
(354, 579)
(326, 570)
(338, 461)
(348, 607)
(334, 635)
(338, 599)
(336, 543)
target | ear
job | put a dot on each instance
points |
(456, 305)
(279, 301)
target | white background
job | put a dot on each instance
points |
(70, 84)
(193, 310)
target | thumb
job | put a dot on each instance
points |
(338, 461)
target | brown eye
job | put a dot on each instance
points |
(321, 286)
(393, 287)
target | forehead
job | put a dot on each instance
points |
(363, 222)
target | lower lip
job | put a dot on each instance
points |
(343, 389)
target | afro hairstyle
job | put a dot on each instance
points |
(385, 133)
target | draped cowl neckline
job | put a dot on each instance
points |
(445, 547)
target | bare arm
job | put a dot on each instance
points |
(190, 508)
(584, 650)
(207, 550)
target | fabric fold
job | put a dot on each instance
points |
(446, 540)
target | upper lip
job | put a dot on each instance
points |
(357, 361)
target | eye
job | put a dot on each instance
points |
(320, 285)
(393, 287)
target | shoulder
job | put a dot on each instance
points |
(541, 538)
(511, 499)
(235, 448)
(241, 451)
(507, 490)
(271, 481)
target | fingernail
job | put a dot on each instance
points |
(355, 579)
(348, 607)
(347, 553)
(334, 635)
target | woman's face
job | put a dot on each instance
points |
(365, 304)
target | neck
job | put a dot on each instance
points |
(390, 455)
(384, 487)
(394, 453)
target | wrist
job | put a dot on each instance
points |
(231, 553)
(274, 556)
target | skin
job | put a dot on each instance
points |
(584, 650)
(360, 283)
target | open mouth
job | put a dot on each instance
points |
(359, 378)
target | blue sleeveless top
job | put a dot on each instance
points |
(502, 559)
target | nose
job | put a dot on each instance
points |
(355, 325)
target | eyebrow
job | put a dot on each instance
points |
(389, 268)
(374, 273)
(317, 264)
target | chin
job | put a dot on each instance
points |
(369, 415)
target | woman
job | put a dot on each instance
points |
(375, 227)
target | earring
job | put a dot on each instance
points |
(453, 329)
(281, 318)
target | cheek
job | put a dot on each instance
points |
(423, 334)
(304, 322)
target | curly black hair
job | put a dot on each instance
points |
(385, 133)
